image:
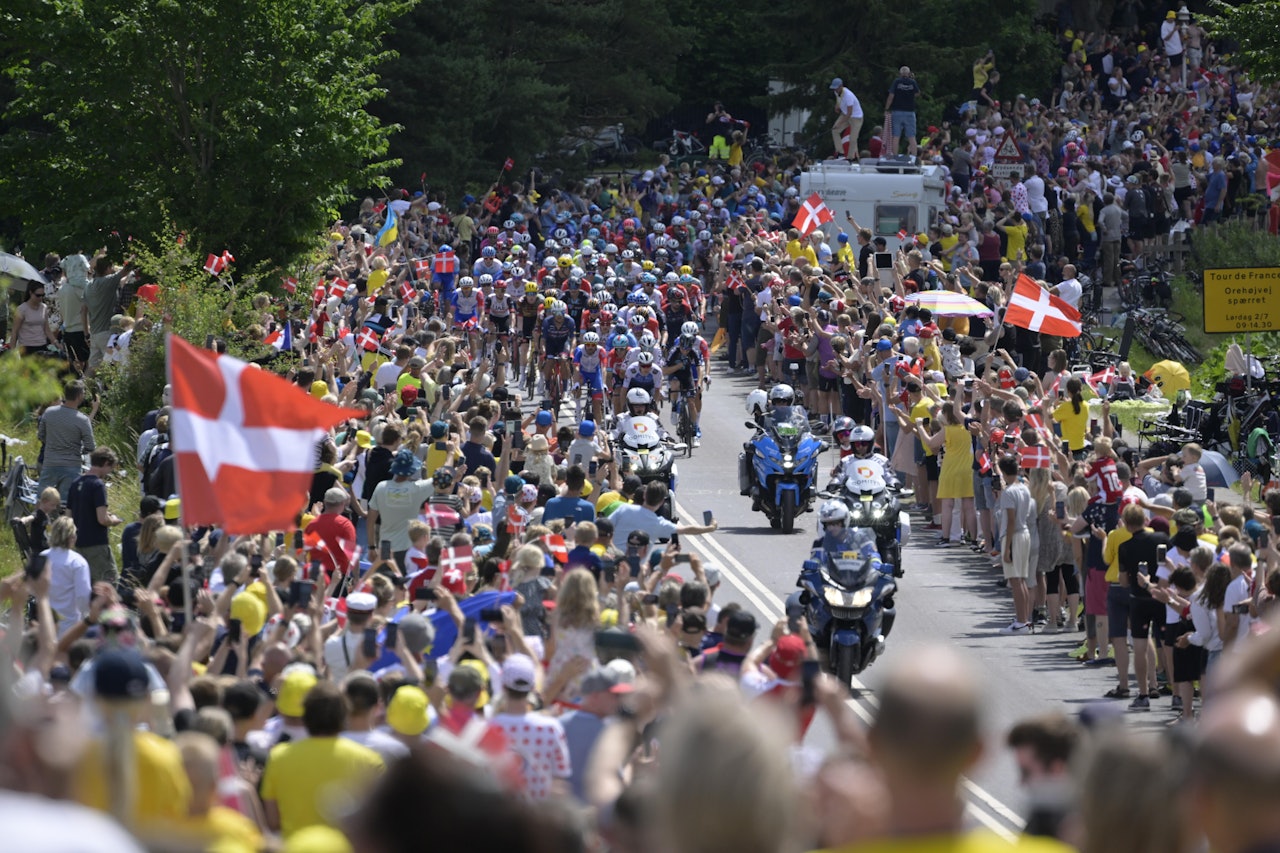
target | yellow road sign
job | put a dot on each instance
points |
(1242, 300)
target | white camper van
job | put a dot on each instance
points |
(887, 196)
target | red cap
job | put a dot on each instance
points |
(787, 656)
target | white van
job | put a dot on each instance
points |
(887, 196)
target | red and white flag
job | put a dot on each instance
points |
(1035, 421)
(421, 268)
(812, 214)
(734, 280)
(445, 262)
(441, 517)
(215, 264)
(368, 339)
(317, 295)
(557, 547)
(1035, 457)
(1033, 308)
(1106, 376)
(244, 441)
(517, 521)
(407, 293)
(456, 558)
(338, 288)
(290, 285)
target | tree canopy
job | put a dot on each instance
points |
(1253, 28)
(244, 121)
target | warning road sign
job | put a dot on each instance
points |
(1008, 160)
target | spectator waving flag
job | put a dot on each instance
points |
(456, 558)
(735, 280)
(291, 286)
(215, 264)
(1033, 308)
(243, 441)
(368, 339)
(421, 268)
(556, 546)
(812, 214)
(441, 517)
(407, 293)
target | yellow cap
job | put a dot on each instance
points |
(364, 439)
(407, 712)
(251, 612)
(319, 388)
(293, 692)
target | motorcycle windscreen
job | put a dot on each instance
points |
(849, 573)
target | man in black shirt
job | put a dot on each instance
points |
(901, 107)
(1139, 559)
(377, 465)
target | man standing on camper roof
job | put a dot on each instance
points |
(901, 107)
(848, 115)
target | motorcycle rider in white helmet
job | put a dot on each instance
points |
(837, 536)
(863, 440)
(639, 405)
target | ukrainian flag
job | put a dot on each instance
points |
(390, 232)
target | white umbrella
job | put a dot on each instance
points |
(16, 267)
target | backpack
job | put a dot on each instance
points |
(159, 452)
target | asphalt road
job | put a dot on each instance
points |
(947, 596)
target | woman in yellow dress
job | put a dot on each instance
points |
(955, 480)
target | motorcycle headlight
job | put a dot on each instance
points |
(786, 457)
(833, 596)
(861, 598)
(877, 513)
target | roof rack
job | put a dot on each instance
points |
(901, 165)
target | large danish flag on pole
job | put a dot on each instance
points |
(812, 214)
(244, 441)
(1034, 308)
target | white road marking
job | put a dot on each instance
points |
(773, 609)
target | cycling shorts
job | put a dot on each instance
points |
(594, 380)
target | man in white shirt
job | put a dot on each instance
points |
(1237, 603)
(848, 117)
(1069, 290)
(342, 650)
(1171, 35)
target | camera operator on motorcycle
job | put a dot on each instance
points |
(838, 537)
(863, 439)
(639, 405)
(768, 410)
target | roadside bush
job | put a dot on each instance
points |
(1233, 244)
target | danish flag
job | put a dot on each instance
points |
(244, 441)
(984, 462)
(445, 263)
(1106, 376)
(902, 234)
(1038, 456)
(517, 520)
(317, 295)
(441, 517)
(557, 548)
(215, 264)
(421, 267)
(290, 285)
(338, 288)
(1035, 421)
(407, 293)
(812, 214)
(735, 280)
(1033, 308)
(456, 558)
(368, 339)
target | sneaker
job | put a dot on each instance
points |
(1142, 703)
(697, 441)
(944, 543)
(920, 507)
(1016, 628)
(1177, 703)
(1038, 618)
(1079, 652)
(1050, 629)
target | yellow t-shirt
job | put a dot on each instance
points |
(977, 841)
(947, 244)
(919, 412)
(1017, 235)
(845, 256)
(163, 790)
(797, 250)
(735, 154)
(377, 280)
(466, 227)
(1074, 426)
(306, 778)
(1111, 552)
(1084, 212)
(437, 458)
(222, 830)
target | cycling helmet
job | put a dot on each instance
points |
(610, 308)
(590, 338)
(645, 358)
(686, 279)
(576, 273)
(518, 272)
(863, 439)
(593, 304)
(673, 243)
(523, 237)
(647, 265)
(757, 401)
(658, 228)
(466, 281)
(628, 225)
(842, 424)
(610, 249)
(685, 269)
(443, 479)
(530, 287)
(694, 216)
(1136, 137)
(489, 252)
(562, 216)
(660, 254)
(638, 397)
(565, 261)
(620, 342)
(486, 280)
(690, 328)
(627, 254)
(635, 297)
(510, 224)
(560, 234)
(549, 262)
(637, 320)
(492, 230)
(687, 341)
(782, 395)
(548, 302)
(648, 341)
(559, 308)
(833, 512)
(649, 278)
(671, 278)
(704, 235)
(596, 218)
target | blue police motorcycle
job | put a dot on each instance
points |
(847, 599)
(783, 472)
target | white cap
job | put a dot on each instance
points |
(361, 601)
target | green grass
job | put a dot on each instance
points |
(123, 494)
